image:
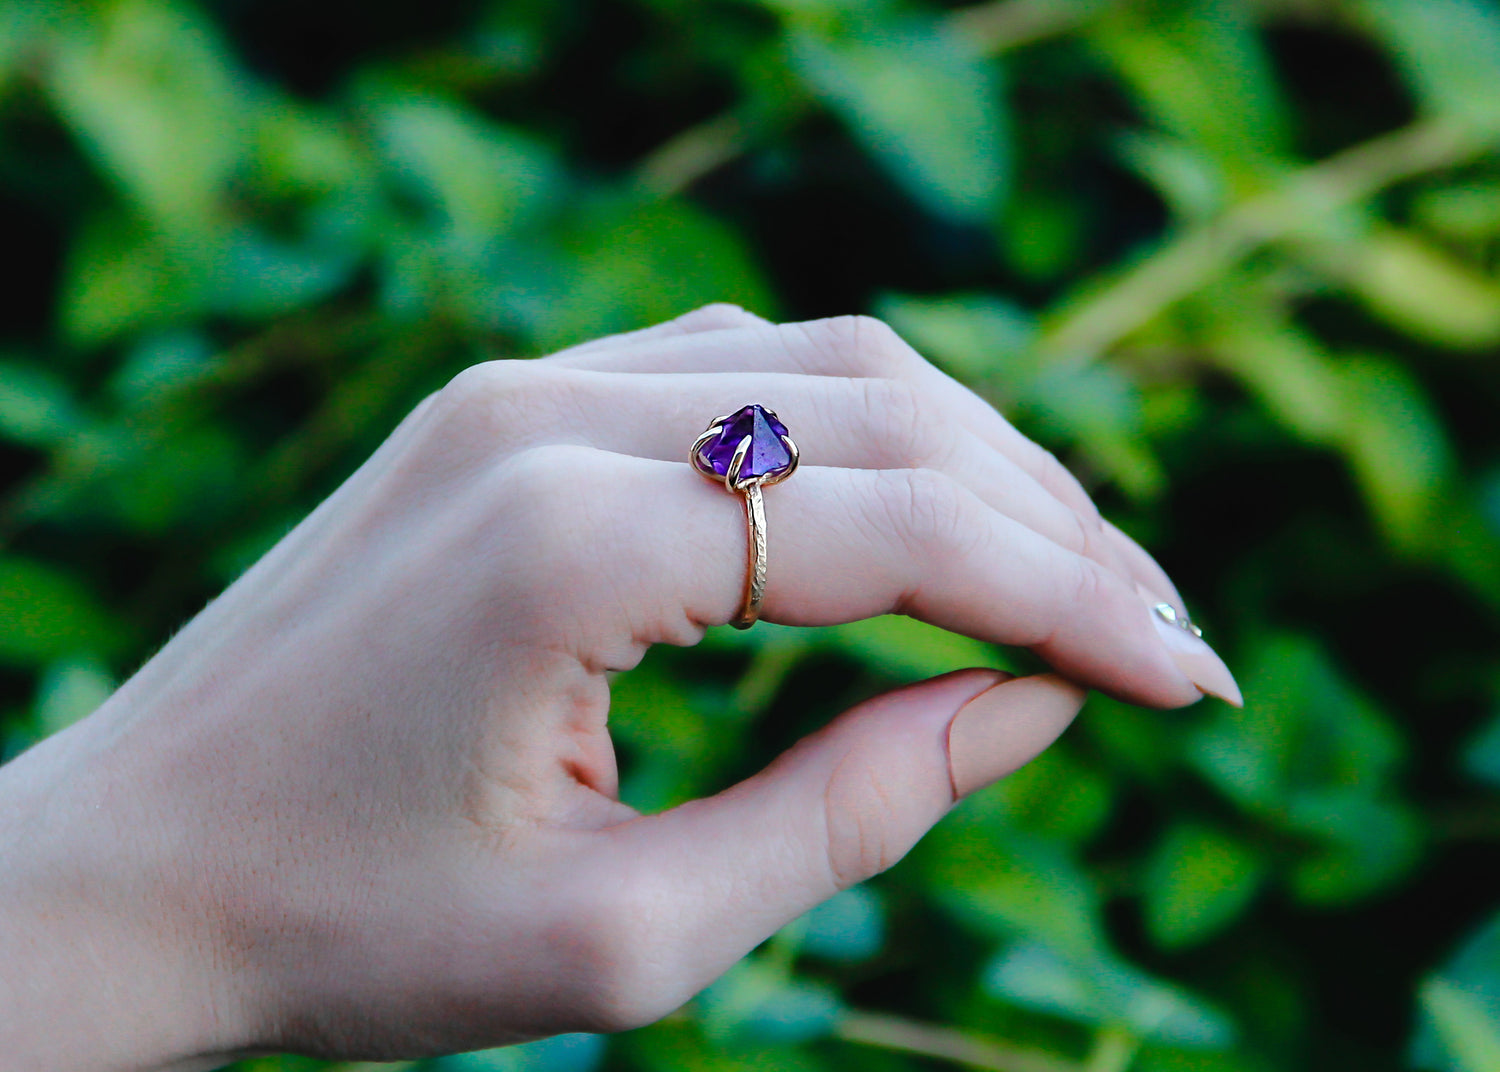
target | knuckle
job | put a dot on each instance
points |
(718, 315)
(898, 418)
(499, 402)
(1086, 536)
(534, 474)
(930, 511)
(1084, 585)
(877, 345)
(860, 344)
(480, 385)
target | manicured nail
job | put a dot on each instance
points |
(1006, 726)
(1193, 656)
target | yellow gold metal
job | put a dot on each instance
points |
(709, 433)
(755, 569)
(755, 511)
(735, 465)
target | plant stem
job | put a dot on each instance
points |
(990, 28)
(945, 1044)
(1089, 326)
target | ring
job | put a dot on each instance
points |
(746, 451)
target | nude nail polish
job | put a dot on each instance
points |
(1006, 726)
(1190, 652)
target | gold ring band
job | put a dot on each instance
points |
(755, 568)
(746, 451)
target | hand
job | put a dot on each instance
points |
(364, 804)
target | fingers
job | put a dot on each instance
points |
(850, 346)
(855, 346)
(836, 421)
(844, 544)
(864, 348)
(1143, 567)
(716, 877)
(717, 316)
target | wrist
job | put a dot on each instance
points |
(100, 969)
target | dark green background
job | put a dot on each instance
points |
(1235, 262)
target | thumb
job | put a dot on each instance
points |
(847, 802)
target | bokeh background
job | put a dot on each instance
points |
(1238, 263)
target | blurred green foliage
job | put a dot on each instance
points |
(1237, 262)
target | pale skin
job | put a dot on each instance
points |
(364, 804)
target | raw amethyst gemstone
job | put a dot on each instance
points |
(767, 455)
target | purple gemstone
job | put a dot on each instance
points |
(767, 455)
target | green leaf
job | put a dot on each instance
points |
(1449, 50)
(122, 275)
(1056, 796)
(678, 1044)
(923, 103)
(1303, 729)
(669, 746)
(973, 336)
(1200, 69)
(151, 95)
(1459, 1026)
(1012, 885)
(1417, 287)
(560, 1053)
(184, 481)
(1481, 757)
(904, 647)
(298, 151)
(1468, 212)
(1314, 757)
(46, 614)
(159, 363)
(1188, 179)
(483, 177)
(1107, 992)
(1469, 1035)
(70, 690)
(253, 276)
(36, 408)
(627, 262)
(1198, 881)
(1098, 408)
(1286, 369)
(1398, 447)
(849, 926)
(755, 999)
(1366, 844)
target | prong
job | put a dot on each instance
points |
(698, 445)
(732, 474)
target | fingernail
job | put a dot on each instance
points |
(1190, 652)
(1005, 727)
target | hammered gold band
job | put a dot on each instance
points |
(755, 567)
(746, 451)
